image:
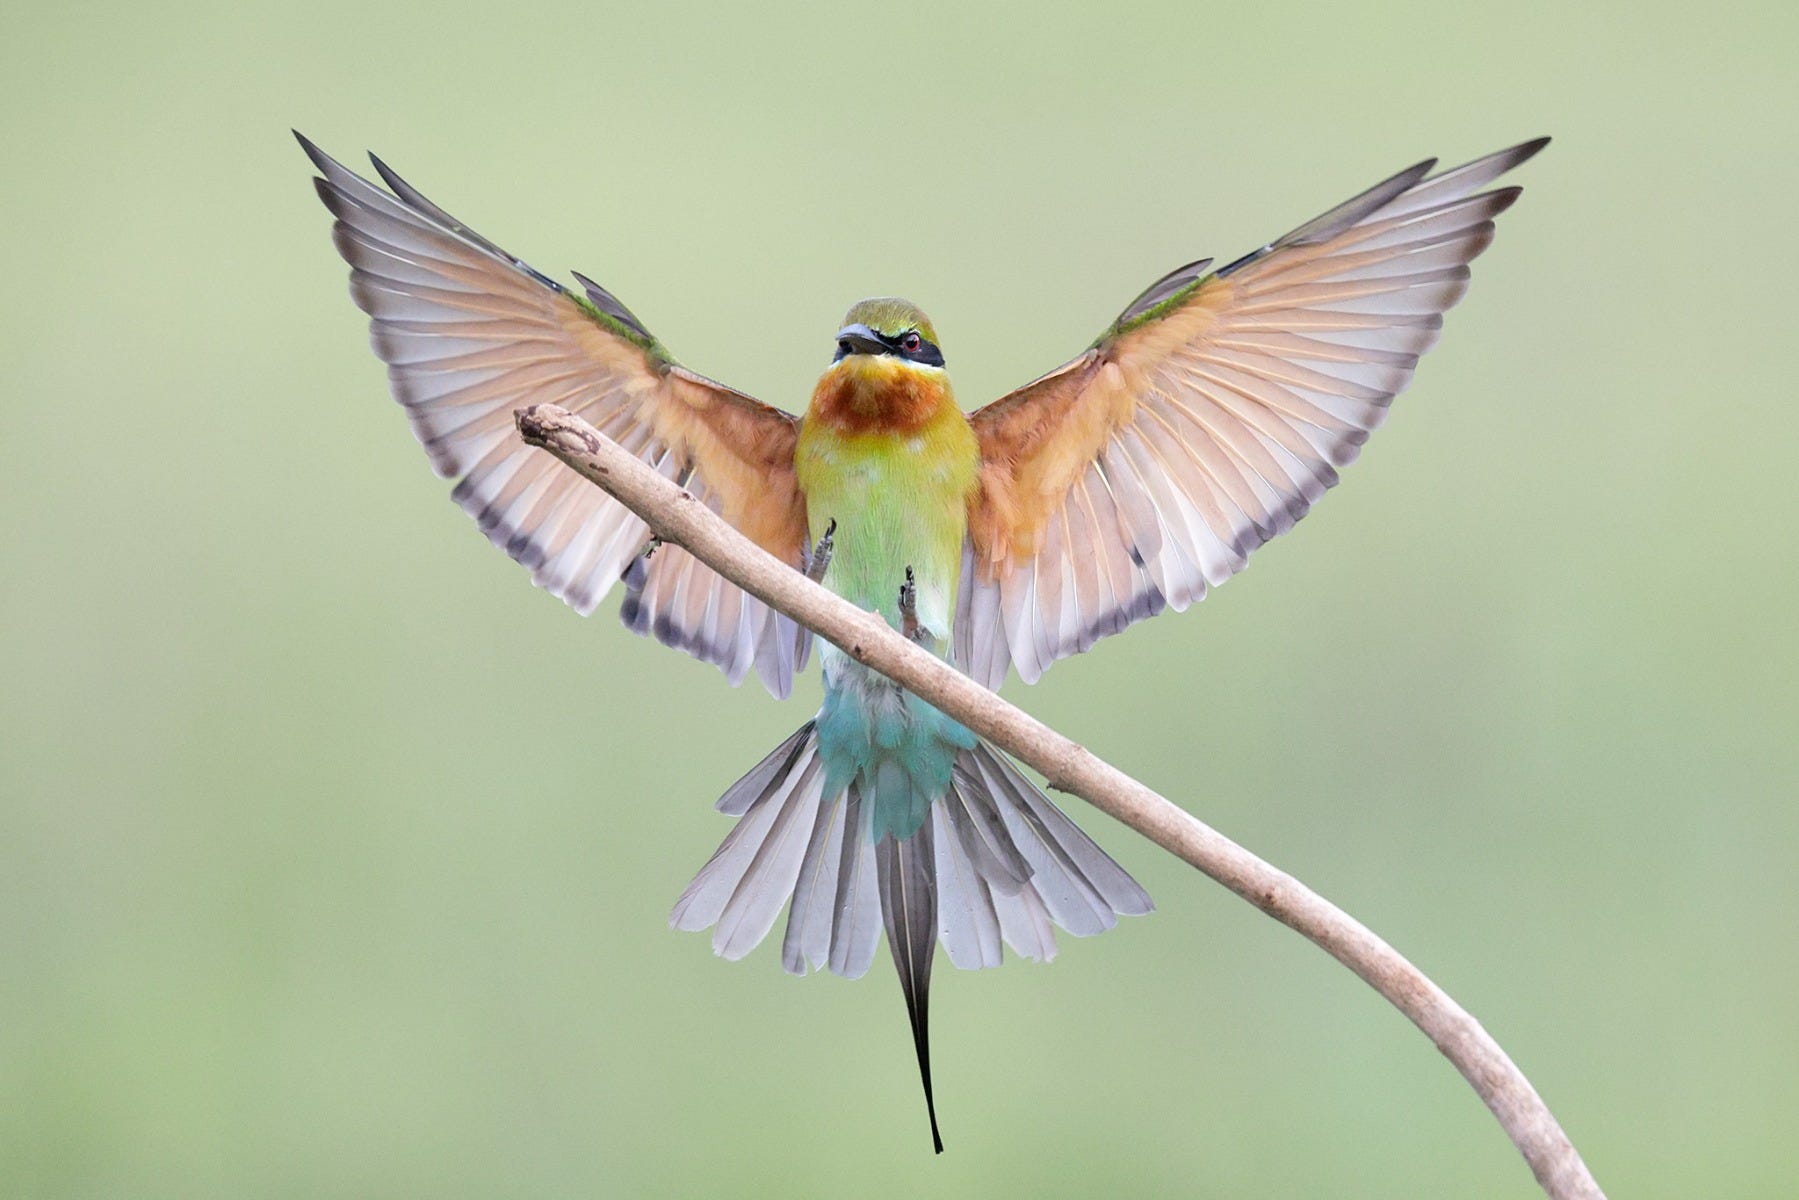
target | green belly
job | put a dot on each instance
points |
(898, 503)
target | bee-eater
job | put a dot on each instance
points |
(1206, 419)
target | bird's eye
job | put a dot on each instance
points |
(910, 343)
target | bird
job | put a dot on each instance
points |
(1205, 420)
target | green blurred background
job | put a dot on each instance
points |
(334, 859)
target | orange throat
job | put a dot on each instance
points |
(879, 394)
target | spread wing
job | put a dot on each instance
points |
(471, 334)
(1208, 418)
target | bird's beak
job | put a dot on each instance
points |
(859, 339)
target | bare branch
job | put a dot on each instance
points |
(675, 516)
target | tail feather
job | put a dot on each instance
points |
(994, 862)
(810, 920)
(982, 832)
(966, 920)
(764, 799)
(856, 922)
(774, 871)
(766, 775)
(1124, 895)
(1084, 890)
(1024, 921)
(1074, 902)
(907, 870)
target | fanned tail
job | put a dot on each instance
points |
(994, 861)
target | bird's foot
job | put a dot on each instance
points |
(820, 559)
(908, 606)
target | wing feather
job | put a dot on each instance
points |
(471, 334)
(1210, 418)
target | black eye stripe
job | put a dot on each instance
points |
(927, 353)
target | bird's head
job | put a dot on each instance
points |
(887, 373)
(889, 326)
